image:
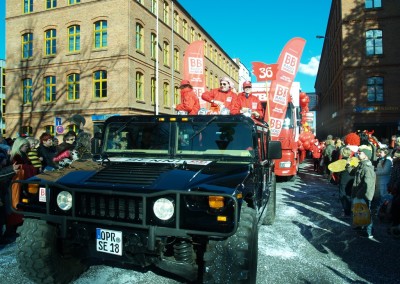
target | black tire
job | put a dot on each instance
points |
(235, 259)
(269, 218)
(39, 254)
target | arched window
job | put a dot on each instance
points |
(74, 38)
(50, 39)
(27, 45)
(73, 83)
(100, 34)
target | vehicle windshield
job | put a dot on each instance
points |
(179, 138)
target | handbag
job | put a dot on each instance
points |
(361, 213)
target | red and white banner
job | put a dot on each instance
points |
(264, 72)
(279, 92)
(193, 68)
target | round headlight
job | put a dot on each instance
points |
(64, 200)
(163, 209)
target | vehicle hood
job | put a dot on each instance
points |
(161, 174)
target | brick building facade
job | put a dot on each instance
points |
(358, 77)
(98, 58)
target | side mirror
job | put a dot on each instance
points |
(274, 150)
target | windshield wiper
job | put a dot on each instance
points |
(201, 129)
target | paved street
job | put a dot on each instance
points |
(309, 243)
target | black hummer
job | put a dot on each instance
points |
(183, 193)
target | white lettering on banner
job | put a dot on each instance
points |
(285, 78)
(160, 161)
(280, 96)
(275, 126)
(289, 64)
(277, 110)
(198, 91)
(195, 65)
(266, 72)
(263, 97)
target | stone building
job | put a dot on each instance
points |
(98, 59)
(358, 77)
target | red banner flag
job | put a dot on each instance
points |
(193, 68)
(264, 72)
(288, 64)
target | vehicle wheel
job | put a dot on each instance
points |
(271, 205)
(40, 256)
(234, 260)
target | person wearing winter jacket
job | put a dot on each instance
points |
(189, 100)
(223, 96)
(246, 102)
(364, 183)
(383, 170)
(316, 150)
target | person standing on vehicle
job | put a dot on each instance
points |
(364, 183)
(246, 102)
(222, 96)
(189, 100)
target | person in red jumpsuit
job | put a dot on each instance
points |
(189, 100)
(221, 97)
(246, 102)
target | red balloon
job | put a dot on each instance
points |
(306, 145)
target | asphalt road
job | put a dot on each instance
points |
(308, 243)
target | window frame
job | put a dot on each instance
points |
(100, 34)
(27, 91)
(98, 84)
(50, 42)
(372, 42)
(74, 35)
(139, 36)
(375, 83)
(139, 83)
(27, 45)
(73, 87)
(49, 89)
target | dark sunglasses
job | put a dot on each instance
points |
(223, 84)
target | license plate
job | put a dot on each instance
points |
(109, 241)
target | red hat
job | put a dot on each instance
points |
(185, 82)
(246, 84)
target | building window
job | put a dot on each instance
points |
(100, 34)
(371, 4)
(50, 39)
(28, 6)
(176, 21)
(73, 82)
(177, 61)
(374, 42)
(139, 38)
(166, 94)
(50, 4)
(73, 2)
(153, 47)
(211, 56)
(27, 130)
(27, 45)
(176, 96)
(27, 91)
(185, 29)
(192, 35)
(100, 84)
(205, 48)
(49, 89)
(74, 38)
(375, 89)
(153, 6)
(166, 13)
(166, 53)
(153, 90)
(73, 127)
(139, 86)
(49, 129)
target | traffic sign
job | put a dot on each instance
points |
(60, 129)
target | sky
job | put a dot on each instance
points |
(255, 30)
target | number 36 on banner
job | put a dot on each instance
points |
(264, 72)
